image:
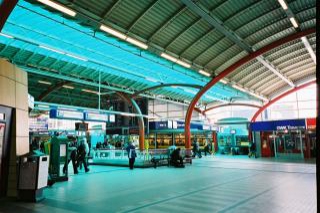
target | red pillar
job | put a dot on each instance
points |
(230, 70)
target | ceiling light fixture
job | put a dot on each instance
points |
(44, 82)
(58, 7)
(169, 57)
(76, 57)
(190, 91)
(175, 60)
(68, 87)
(137, 43)
(238, 88)
(89, 91)
(113, 32)
(151, 79)
(6, 35)
(223, 81)
(204, 73)
(51, 49)
(294, 22)
(283, 4)
(309, 48)
(182, 63)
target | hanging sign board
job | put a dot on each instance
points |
(64, 114)
(278, 125)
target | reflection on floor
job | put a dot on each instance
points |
(210, 184)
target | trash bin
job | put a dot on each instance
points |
(33, 176)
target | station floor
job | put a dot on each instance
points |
(210, 184)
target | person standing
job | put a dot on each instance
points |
(131, 149)
(146, 147)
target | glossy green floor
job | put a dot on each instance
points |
(210, 184)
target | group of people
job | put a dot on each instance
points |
(77, 153)
(196, 149)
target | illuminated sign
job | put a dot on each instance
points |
(96, 117)
(64, 114)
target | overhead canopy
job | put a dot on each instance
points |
(52, 43)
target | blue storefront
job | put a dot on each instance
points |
(281, 139)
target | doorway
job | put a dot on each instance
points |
(5, 124)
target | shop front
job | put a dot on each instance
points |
(284, 139)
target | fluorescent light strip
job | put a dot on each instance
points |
(223, 81)
(182, 63)
(151, 79)
(309, 48)
(6, 35)
(173, 59)
(283, 4)
(239, 88)
(51, 49)
(190, 91)
(58, 7)
(89, 91)
(68, 87)
(204, 73)
(137, 43)
(294, 22)
(169, 57)
(113, 32)
(44, 82)
(76, 57)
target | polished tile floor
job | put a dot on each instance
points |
(210, 184)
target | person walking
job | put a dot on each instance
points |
(82, 152)
(72, 156)
(206, 149)
(131, 149)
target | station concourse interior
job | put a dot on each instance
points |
(158, 106)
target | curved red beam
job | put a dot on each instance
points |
(280, 97)
(231, 104)
(231, 69)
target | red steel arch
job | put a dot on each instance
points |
(280, 97)
(233, 67)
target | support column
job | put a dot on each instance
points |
(140, 118)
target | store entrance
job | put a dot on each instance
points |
(5, 123)
(289, 144)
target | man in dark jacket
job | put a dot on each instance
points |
(131, 149)
(176, 159)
